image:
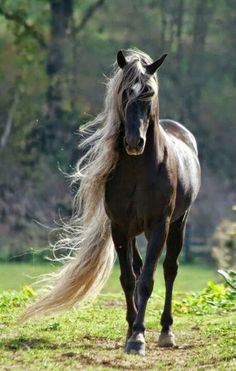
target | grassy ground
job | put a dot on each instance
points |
(190, 277)
(92, 337)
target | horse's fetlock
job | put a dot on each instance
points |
(139, 328)
(166, 321)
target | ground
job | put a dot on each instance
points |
(92, 337)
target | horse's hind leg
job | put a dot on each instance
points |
(127, 278)
(174, 245)
(137, 266)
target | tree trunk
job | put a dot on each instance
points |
(202, 17)
(179, 28)
(52, 132)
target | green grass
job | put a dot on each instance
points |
(92, 338)
(16, 275)
(190, 277)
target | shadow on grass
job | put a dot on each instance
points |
(27, 344)
(86, 343)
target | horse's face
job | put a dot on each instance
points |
(139, 102)
(136, 119)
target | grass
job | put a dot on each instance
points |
(16, 275)
(190, 277)
(91, 338)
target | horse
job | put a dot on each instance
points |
(138, 174)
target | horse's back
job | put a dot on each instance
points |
(182, 144)
(179, 131)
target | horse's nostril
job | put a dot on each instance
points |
(140, 143)
(133, 143)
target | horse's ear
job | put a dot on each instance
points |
(151, 68)
(121, 59)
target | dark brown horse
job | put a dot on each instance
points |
(141, 174)
(150, 190)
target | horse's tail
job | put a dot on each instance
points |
(84, 275)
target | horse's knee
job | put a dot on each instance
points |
(145, 288)
(127, 283)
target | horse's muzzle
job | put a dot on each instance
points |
(134, 147)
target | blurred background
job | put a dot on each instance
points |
(53, 58)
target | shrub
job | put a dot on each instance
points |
(215, 297)
(224, 245)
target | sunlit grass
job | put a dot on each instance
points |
(92, 338)
(190, 277)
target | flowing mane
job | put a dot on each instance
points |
(102, 154)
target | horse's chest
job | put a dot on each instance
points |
(123, 204)
(123, 198)
(129, 200)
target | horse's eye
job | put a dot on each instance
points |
(148, 92)
(124, 95)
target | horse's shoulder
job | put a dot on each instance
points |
(179, 131)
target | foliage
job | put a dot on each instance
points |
(230, 278)
(11, 299)
(215, 297)
(224, 244)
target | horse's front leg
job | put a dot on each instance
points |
(127, 278)
(174, 245)
(156, 239)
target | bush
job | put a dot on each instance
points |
(230, 278)
(215, 297)
(224, 245)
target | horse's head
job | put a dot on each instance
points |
(138, 98)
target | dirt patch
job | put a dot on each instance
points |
(114, 303)
(110, 354)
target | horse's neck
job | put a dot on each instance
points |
(155, 142)
(155, 138)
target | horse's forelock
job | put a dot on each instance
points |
(131, 76)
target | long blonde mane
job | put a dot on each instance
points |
(87, 237)
(94, 167)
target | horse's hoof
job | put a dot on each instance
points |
(166, 340)
(136, 345)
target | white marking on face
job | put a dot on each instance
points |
(136, 88)
(141, 68)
